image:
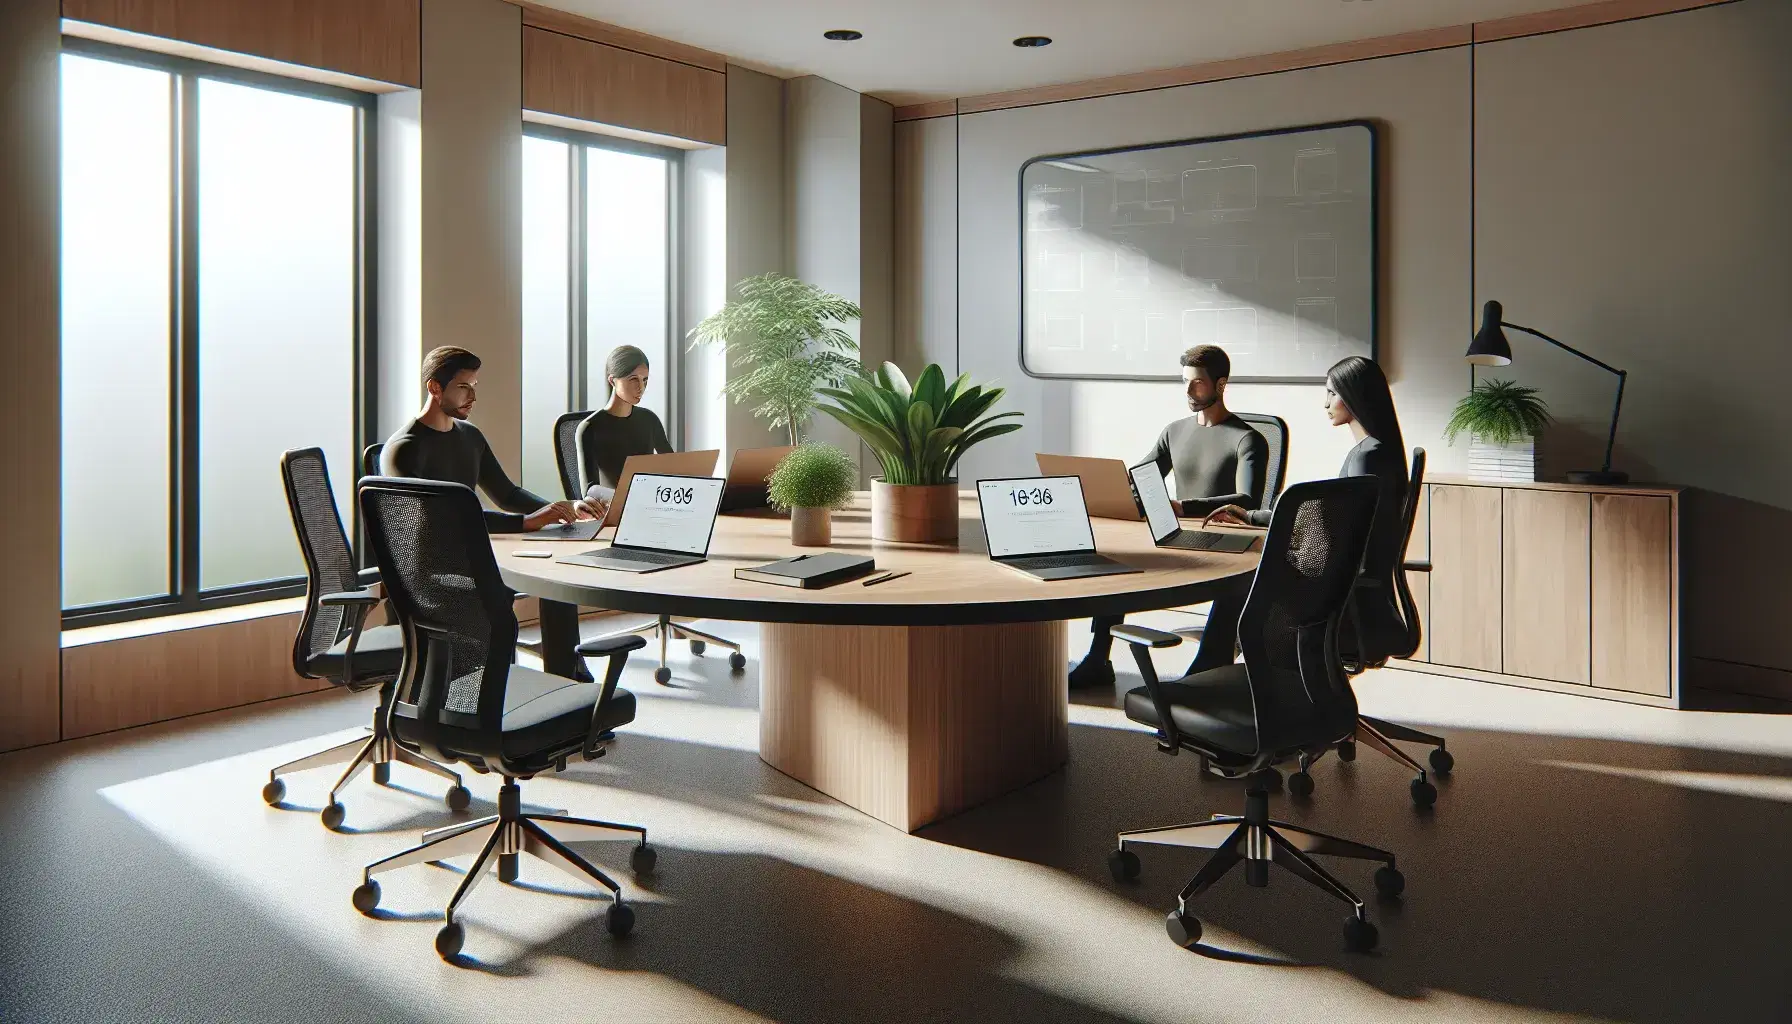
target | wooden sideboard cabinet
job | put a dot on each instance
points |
(1551, 586)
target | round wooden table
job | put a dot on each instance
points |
(910, 700)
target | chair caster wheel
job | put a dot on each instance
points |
(1123, 865)
(698, 647)
(459, 798)
(1300, 784)
(382, 773)
(507, 867)
(737, 660)
(333, 815)
(662, 675)
(1273, 779)
(449, 940)
(1389, 882)
(1442, 761)
(1184, 929)
(643, 859)
(620, 920)
(1424, 794)
(1360, 936)
(274, 792)
(1347, 750)
(367, 896)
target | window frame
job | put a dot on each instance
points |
(578, 268)
(184, 592)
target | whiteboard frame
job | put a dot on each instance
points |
(1374, 242)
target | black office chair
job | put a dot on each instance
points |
(459, 697)
(1378, 733)
(1275, 431)
(662, 628)
(332, 643)
(1289, 700)
(370, 459)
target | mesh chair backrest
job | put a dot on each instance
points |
(370, 458)
(1409, 609)
(566, 452)
(1288, 630)
(1275, 431)
(442, 580)
(329, 564)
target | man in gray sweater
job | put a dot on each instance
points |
(1218, 460)
(439, 444)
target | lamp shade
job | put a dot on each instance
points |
(1490, 347)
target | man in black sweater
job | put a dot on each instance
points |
(1218, 460)
(439, 444)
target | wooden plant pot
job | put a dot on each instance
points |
(914, 514)
(811, 527)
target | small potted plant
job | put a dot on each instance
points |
(1502, 419)
(812, 481)
(918, 434)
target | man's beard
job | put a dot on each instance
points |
(1197, 405)
(459, 412)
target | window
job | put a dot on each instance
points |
(213, 266)
(598, 225)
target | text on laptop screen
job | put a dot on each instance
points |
(1035, 516)
(669, 513)
(1148, 480)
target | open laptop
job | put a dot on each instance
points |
(666, 523)
(747, 477)
(1161, 515)
(702, 463)
(1104, 483)
(1040, 526)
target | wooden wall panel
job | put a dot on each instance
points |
(1546, 621)
(116, 684)
(30, 305)
(378, 39)
(595, 82)
(1465, 577)
(1632, 593)
(566, 24)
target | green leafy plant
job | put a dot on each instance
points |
(1498, 412)
(814, 475)
(918, 433)
(786, 338)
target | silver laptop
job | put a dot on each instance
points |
(1148, 481)
(1040, 526)
(667, 521)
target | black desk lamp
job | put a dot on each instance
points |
(1490, 348)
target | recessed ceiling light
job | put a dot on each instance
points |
(842, 35)
(1032, 41)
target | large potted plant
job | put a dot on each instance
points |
(1502, 419)
(810, 482)
(918, 434)
(787, 340)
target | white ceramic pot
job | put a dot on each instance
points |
(1510, 463)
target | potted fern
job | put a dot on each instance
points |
(810, 482)
(787, 340)
(1502, 419)
(918, 433)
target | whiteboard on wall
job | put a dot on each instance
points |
(1263, 244)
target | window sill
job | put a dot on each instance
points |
(186, 620)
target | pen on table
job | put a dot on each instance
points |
(885, 578)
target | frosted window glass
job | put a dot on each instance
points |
(115, 332)
(547, 277)
(276, 317)
(626, 289)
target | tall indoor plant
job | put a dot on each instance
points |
(1503, 419)
(918, 433)
(787, 340)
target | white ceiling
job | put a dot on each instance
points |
(917, 50)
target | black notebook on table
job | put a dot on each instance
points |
(809, 571)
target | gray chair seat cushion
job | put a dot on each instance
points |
(547, 714)
(378, 656)
(1211, 708)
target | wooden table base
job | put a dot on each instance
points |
(911, 724)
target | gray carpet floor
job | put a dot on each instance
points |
(1587, 861)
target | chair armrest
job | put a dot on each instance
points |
(350, 598)
(616, 649)
(1417, 565)
(611, 645)
(358, 603)
(1145, 636)
(368, 577)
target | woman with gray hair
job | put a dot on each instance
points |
(620, 429)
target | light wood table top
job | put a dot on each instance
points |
(949, 585)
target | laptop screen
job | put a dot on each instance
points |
(1039, 515)
(669, 513)
(1148, 480)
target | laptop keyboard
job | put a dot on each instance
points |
(1056, 561)
(648, 557)
(1195, 541)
